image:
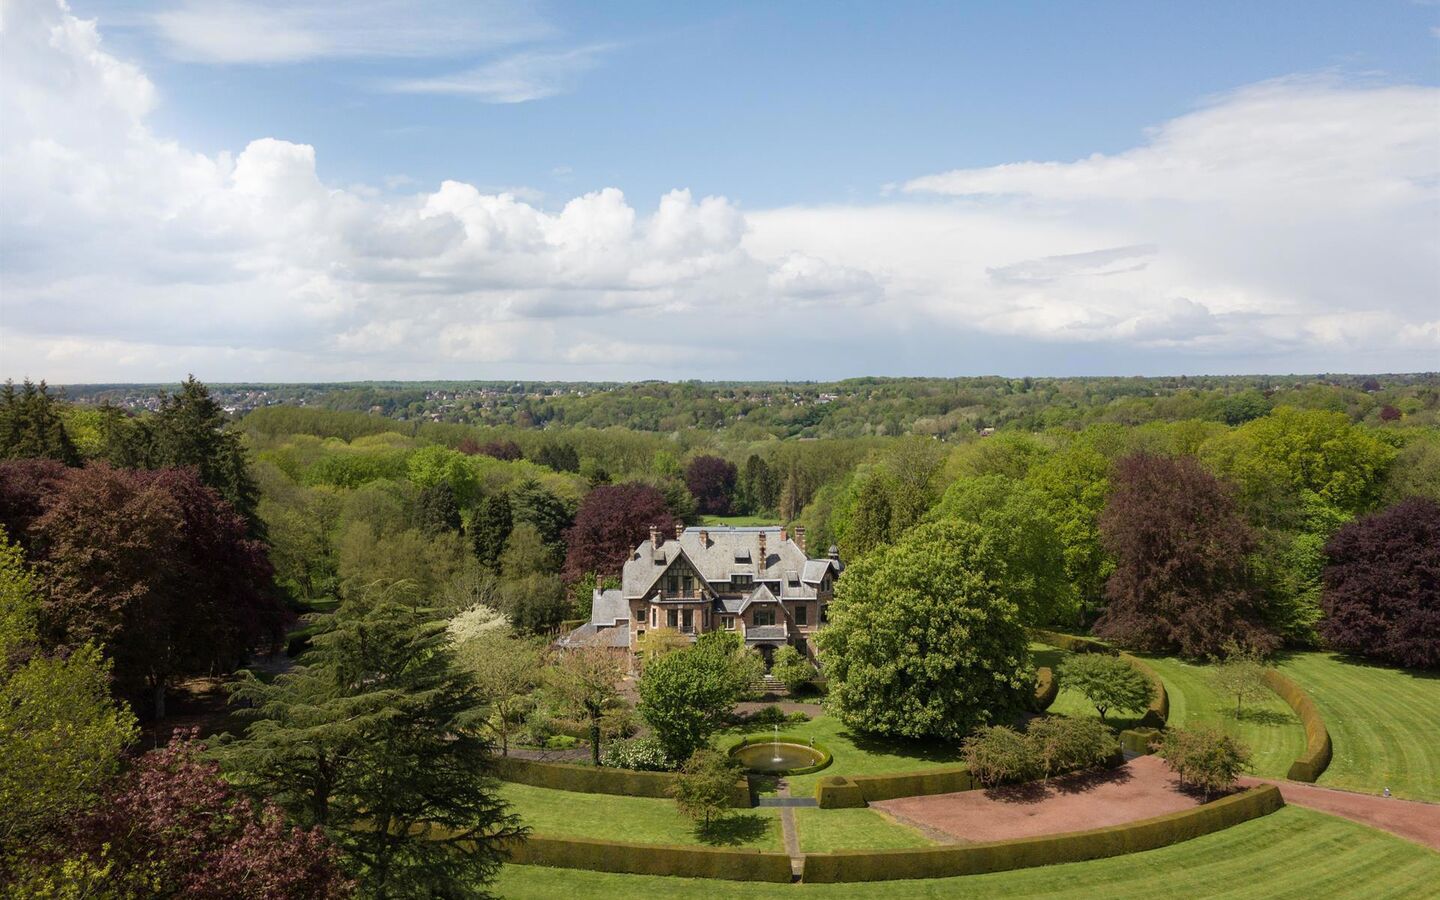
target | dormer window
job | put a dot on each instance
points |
(740, 580)
(792, 577)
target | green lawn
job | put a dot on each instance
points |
(738, 521)
(1268, 726)
(1074, 703)
(641, 820)
(856, 754)
(1293, 853)
(1384, 723)
(822, 830)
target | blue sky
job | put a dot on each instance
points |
(385, 189)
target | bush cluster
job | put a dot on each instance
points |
(1051, 745)
(642, 754)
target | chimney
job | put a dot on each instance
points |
(679, 530)
(704, 538)
(654, 536)
(800, 537)
(784, 534)
(763, 558)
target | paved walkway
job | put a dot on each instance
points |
(1410, 819)
(792, 838)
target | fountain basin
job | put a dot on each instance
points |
(789, 755)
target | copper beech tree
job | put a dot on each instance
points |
(1180, 545)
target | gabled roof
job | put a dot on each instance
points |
(761, 594)
(608, 607)
(715, 557)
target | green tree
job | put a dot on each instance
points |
(996, 754)
(685, 695)
(189, 430)
(31, 425)
(531, 503)
(870, 517)
(432, 466)
(61, 734)
(1109, 682)
(506, 672)
(586, 682)
(1068, 743)
(794, 670)
(923, 639)
(1240, 674)
(1073, 483)
(1204, 756)
(1014, 513)
(374, 739)
(705, 786)
(490, 527)
(526, 553)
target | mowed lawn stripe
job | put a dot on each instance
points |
(1384, 724)
(1292, 853)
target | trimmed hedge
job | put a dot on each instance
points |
(1317, 737)
(1159, 710)
(1047, 688)
(600, 779)
(1001, 856)
(651, 859)
(915, 784)
(750, 739)
(1138, 740)
(839, 792)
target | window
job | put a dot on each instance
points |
(672, 584)
(824, 613)
(740, 580)
(764, 617)
(802, 614)
(654, 617)
(687, 620)
(729, 623)
(689, 586)
(672, 617)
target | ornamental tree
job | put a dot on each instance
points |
(1204, 756)
(506, 672)
(1180, 546)
(157, 570)
(1069, 743)
(611, 522)
(924, 640)
(1382, 586)
(793, 669)
(173, 827)
(1107, 681)
(586, 681)
(705, 785)
(712, 480)
(1240, 674)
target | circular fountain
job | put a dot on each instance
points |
(780, 754)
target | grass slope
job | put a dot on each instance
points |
(1384, 723)
(1293, 853)
(823, 830)
(640, 820)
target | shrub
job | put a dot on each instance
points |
(1204, 756)
(797, 718)
(1066, 744)
(997, 754)
(639, 754)
(1107, 681)
(766, 716)
(1047, 688)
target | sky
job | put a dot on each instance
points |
(256, 190)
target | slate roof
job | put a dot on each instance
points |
(765, 633)
(608, 637)
(608, 607)
(725, 551)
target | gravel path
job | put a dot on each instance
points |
(1410, 819)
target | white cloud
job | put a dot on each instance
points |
(518, 78)
(1287, 226)
(289, 31)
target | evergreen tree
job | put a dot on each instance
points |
(871, 521)
(189, 430)
(31, 427)
(759, 489)
(435, 509)
(376, 739)
(490, 527)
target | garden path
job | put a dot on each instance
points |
(1413, 820)
(792, 837)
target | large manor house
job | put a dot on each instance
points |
(756, 582)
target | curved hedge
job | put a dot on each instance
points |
(1159, 710)
(839, 792)
(1076, 846)
(600, 779)
(1317, 737)
(651, 859)
(1047, 688)
(751, 739)
(887, 787)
